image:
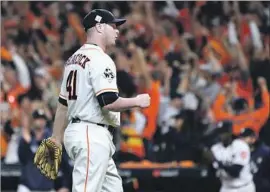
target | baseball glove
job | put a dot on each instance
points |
(48, 158)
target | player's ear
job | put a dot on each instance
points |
(99, 27)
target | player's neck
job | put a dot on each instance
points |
(96, 42)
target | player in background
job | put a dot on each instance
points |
(231, 159)
(260, 159)
(89, 106)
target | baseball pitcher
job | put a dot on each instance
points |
(89, 111)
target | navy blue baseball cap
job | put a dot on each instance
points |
(224, 127)
(100, 16)
(39, 114)
(247, 132)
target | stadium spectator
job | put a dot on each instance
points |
(178, 139)
(31, 178)
(240, 113)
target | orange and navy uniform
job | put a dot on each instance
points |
(254, 119)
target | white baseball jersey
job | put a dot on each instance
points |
(236, 153)
(88, 73)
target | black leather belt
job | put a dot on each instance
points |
(110, 128)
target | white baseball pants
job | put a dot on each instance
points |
(90, 146)
(248, 188)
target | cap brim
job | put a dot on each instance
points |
(119, 22)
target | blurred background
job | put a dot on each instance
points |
(201, 62)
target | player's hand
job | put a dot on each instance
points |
(143, 100)
(48, 158)
(262, 83)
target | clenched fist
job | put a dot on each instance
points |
(143, 100)
(262, 83)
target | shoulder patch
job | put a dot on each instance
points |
(108, 74)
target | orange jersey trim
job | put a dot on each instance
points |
(62, 96)
(105, 90)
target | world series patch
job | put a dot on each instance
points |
(108, 74)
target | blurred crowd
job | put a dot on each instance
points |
(201, 63)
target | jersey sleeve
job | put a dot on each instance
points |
(103, 77)
(63, 92)
(241, 153)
